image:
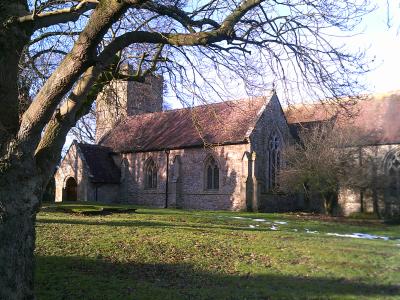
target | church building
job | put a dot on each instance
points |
(219, 156)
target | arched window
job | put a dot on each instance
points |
(212, 174)
(176, 168)
(124, 169)
(393, 172)
(150, 175)
(274, 160)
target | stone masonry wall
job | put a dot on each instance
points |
(106, 193)
(271, 121)
(145, 97)
(186, 189)
(110, 107)
(126, 98)
(73, 166)
(235, 164)
(350, 200)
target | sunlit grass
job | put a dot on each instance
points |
(176, 254)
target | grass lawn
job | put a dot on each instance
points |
(176, 254)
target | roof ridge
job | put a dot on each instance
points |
(366, 97)
(200, 106)
(177, 128)
(95, 146)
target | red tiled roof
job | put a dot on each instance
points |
(220, 123)
(376, 119)
(309, 113)
(100, 163)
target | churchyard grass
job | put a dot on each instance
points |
(178, 254)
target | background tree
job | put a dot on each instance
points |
(329, 156)
(56, 55)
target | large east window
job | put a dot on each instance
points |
(274, 160)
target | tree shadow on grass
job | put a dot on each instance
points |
(92, 221)
(85, 278)
(154, 224)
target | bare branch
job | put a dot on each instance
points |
(46, 19)
(73, 65)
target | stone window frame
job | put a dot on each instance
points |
(392, 171)
(212, 167)
(150, 174)
(176, 168)
(124, 169)
(275, 143)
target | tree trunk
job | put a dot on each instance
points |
(20, 194)
(375, 198)
(330, 202)
(19, 186)
(375, 204)
(17, 238)
(12, 41)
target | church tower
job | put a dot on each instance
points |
(121, 98)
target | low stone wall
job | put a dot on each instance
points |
(281, 203)
(106, 193)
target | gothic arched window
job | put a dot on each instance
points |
(211, 174)
(150, 175)
(176, 168)
(274, 160)
(124, 169)
(393, 172)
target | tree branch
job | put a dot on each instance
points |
(51, 34)
(76, 106)
(36, 21)
(180, 15)
(63, 78)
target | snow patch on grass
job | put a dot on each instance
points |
(257, 220)
(241, 218)
(280, 222)
(361, 236)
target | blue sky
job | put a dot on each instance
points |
(380, 40)
(383, 42)
(378, 34)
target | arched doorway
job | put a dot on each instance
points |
(71, 190)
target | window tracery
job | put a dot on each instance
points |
(393, 172)
(274, 160)
(150, 175)
(212, 174)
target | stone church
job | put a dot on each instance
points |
(220, 156)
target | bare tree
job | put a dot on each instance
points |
(326, 157)
(64, 52)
